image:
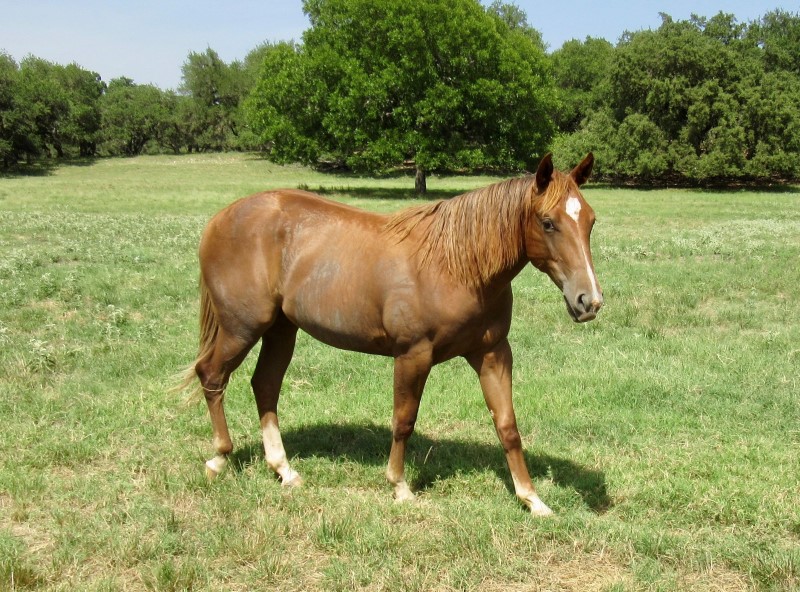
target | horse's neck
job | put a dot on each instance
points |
(503, 278)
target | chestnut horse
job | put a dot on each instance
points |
(423, 286)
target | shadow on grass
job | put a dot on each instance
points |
(763, 186)
(392, 193)
(44, 167)
(433, 459)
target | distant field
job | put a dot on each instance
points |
(665, 434)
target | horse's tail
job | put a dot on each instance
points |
(209, 329)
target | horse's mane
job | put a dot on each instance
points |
(478, 234)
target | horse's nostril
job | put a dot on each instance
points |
(583, 302)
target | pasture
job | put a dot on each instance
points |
(665, 434)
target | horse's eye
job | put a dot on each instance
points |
(548, 225)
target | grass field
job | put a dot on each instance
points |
(665, 434)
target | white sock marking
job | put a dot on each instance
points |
(275, 453)
(217, 464)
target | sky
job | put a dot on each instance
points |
(149, 40)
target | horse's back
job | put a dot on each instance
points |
(275, 219)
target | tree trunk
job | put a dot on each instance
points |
(420, 184)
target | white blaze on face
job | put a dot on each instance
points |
(574, 208)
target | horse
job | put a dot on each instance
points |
(423, 285)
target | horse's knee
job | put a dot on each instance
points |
(509, 436)
(206, 377)
(213, 384)
(402, 430)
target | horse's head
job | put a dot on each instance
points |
(557, 236)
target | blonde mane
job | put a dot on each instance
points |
(478, 234)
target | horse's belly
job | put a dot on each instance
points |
(369, 343)
(350, 298)
(341, 323)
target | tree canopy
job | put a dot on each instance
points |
(697, 101)
(376, 83)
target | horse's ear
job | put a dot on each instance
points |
(581, 172)
(544, 174)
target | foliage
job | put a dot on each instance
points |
(581, 74)
(81, 128)
(697, 101)
(287, 121)
(133, 115)
(47, 109)
(777, 35)
(214, 90)
(375, 85)
(378, 83)
(15, 128)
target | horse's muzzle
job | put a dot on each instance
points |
(584, 309)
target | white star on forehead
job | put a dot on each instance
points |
(574, 208)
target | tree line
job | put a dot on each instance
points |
(696, 102)
(444, 86)
(52, 111)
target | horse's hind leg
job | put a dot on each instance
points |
(277, 347)
(214, 371)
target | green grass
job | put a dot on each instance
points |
(666, 434)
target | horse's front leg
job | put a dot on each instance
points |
(410, 373)
(494, 370)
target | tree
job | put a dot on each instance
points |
(777, 34)
(17, 132)
(703, 100)
(287, 104)
(597, 133)
(216, 90)
(44, 101)
(132, 115)
(47, 108)
(81, 126)
(175, 133)
(581, 71)
(771, 113)
(376, 83)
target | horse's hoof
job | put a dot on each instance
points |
(402, 494)
(539, 508)
(293, 482)
(215, 466)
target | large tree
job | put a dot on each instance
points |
(215, 90)
(80, 129)
(44, 100)
(17, 133)
(445, 84)
(132, 115)
(47, 109)
(581, 71)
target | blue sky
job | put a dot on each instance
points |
(148, 40)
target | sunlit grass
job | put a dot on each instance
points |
(664, 434)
